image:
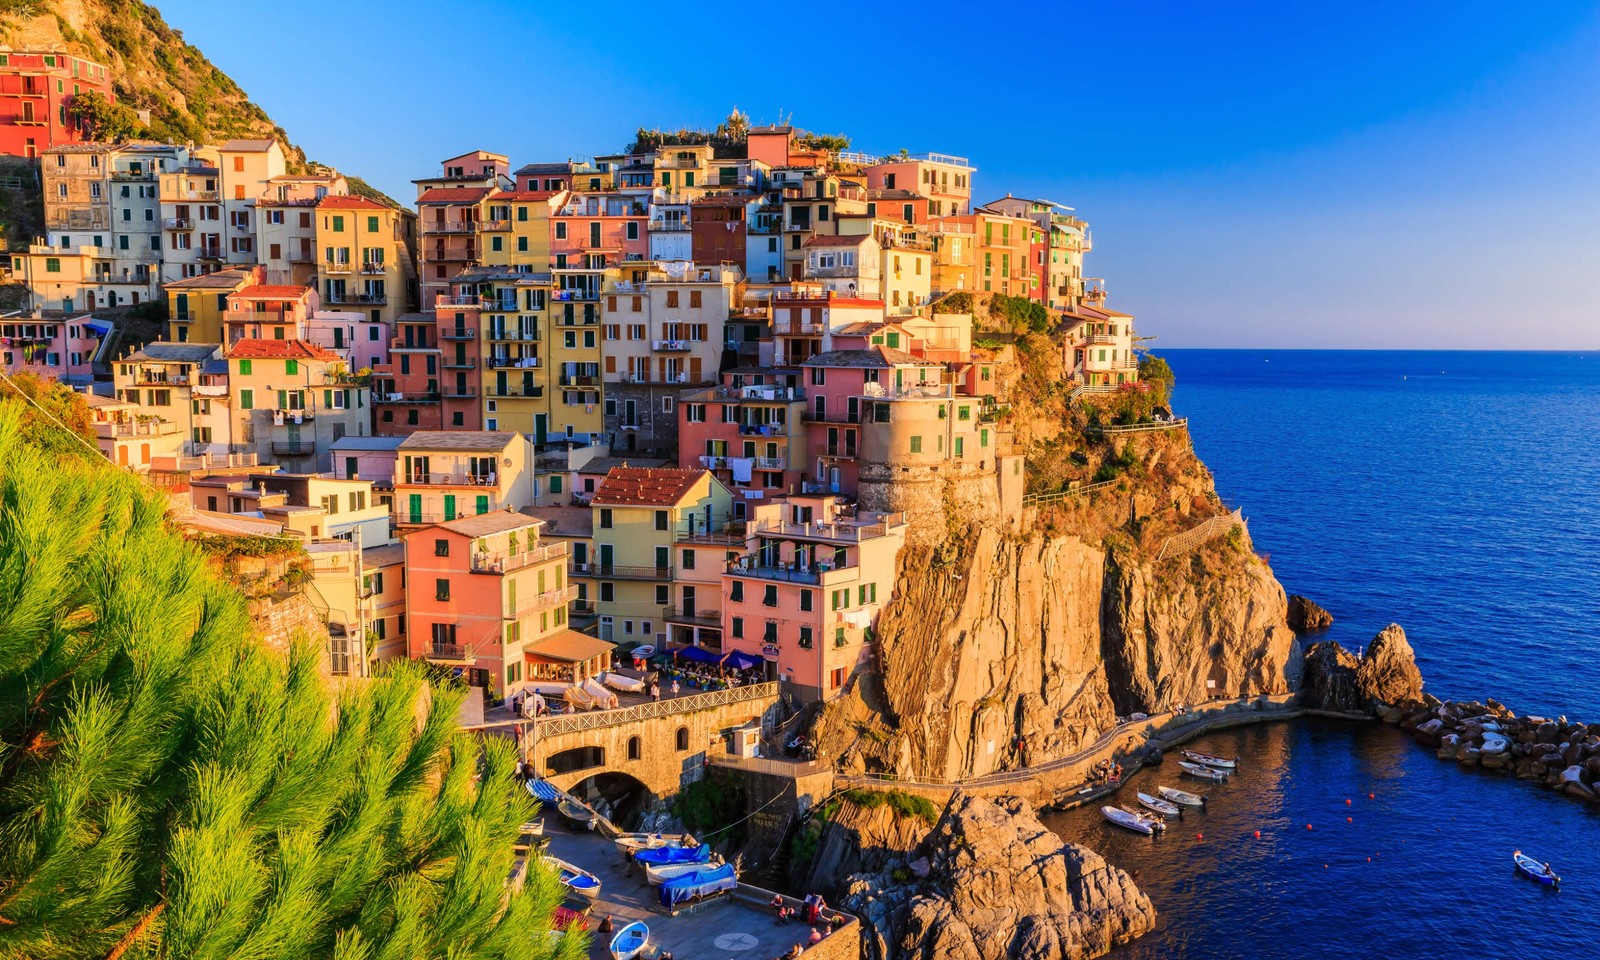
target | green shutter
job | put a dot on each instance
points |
(416, 508)
(327, 399)
(244, 368)
(372, 224)
(291, 367)
(283, 399)
(483, 504)
(247, 399)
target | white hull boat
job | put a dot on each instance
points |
(630, 941)
(1202, 771)
(1156, 823)
(657, 874)
(617, 681)
(1182, 796)
(630, 842)
(1129, 821)
(1211, 760)
(576, 879)
(1164, 807)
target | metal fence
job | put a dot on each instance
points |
(1203, 532)
(597, 719)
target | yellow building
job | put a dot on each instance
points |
(638, 515)
(197, 308)
(365, 257)
(291, 400)
(85, 277)
(515, 225)
(575, 350)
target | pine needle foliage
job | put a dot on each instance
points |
(171, 788)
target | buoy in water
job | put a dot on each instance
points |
(1308, 826)
(1372, 796)
(1347, 801)
(1258, 834)
(1199, 836)
(1349, 819)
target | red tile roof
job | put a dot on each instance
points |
(272, 291)
(645, 486)
(342, 202)
(453, 195)
(279, 350)
(847, 241)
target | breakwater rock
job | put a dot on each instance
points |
(1557, 753)
(1306, 617)
(989, 882)
(1385, 673)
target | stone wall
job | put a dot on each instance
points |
(656, 430)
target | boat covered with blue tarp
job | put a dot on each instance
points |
(674, 853)
(701, 883)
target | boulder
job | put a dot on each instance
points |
(1388, 670)
(1548, 732)
(1329, 680)
(1494, 761)
(1306, 617)
(1469, 756)
(1495, 743)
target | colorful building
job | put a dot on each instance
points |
(443, 475)
(197, 307)
(290, 399)
(36, 91)
(366, 263)
(749, 431)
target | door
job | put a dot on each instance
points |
(663, 559)
(688, 601)
(630, 413)
(541, 426)
(449, 506)
(833, 480)
(606, 553)
(605, 629)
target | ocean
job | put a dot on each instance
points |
(1457, 494)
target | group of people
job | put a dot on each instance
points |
(1106, 771)
(810, 912)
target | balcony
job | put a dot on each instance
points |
(511, 363)
(147, 378)
(446, 300)
(796, 327)
(611, 571)
(448, 479)
(494, 226)
(140, 428)
(513, 336)
(507, 562)
(458, 333)
(208, 252)
(376, 299)
(294, 448)
(500, 305)
(841, 531)
(448, 653)
(301, 256)
(548, 600)
(693, 616)
(750, 567)
(176, 223)
(579, 380)
(669, 226)
(770, 463)
(460, 363)
(374, 268)
(671, 346)
(439, 226)
(334, 266)
(460, 392)
(412, 397)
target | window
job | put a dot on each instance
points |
(661, 519)
(663, 595)
(441, 590)
(736, 591)
(605, 518)
(441, 548)
(805, 638)
(608, 592)
(769, 596)
(769, 633)
(688, 560)
(916, 444)
(738, 627)
(633, 748)
(247, 399)
(805, 600)
(683, 738)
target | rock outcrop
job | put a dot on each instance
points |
(1385, 676)
(1306, 617)
(1049, 638)
(1560, 754)
(998, 885)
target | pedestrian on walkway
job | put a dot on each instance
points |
(674, 686)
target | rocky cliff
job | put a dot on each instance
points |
(989, 880)
(1386, 673)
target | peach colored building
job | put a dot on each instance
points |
(599, 229)
(269, 312)
(807, 593)
(445, 474)
(944, 182)
(749, 431)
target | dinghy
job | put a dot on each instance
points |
(1156, 823)
(633, 842)
(643, 652)
(1533, 869)
(1202, 771)
(658, 873)
(1182, 796)
(674, 853)
(630, 941)
(603, 699)
(576, 879)
(1131, 821)
(1211, 760)
(576, 815)
(1163, 807)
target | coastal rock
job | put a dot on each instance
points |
(1329, 681)
(1306, 617)
(1388, 669)
(1006, 887)
(1495, 743)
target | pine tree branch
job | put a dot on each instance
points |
(135, 932)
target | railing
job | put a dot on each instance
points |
(176, 223)
(1141, 427)
(674, 706)
(494, 226)
(521, 336)
(787, 574)
(669, 226)
(697, 616)
(446, 300)
(341, 297)
(458, 333)
(548, 600)
(848, 532)
(500, 305)
(374, 268)
(294, 448)
(515, 394)
(611, 571)
(335, 266)
(511, 363)
(147, 428)
(443, 227)
(412, 397)
(448, 479)
(794, 326)
(207, 252)
(506, 562)
(448, 651)
(460, 392)
(671, 346)
(460, 363)
(1204, 532)
(1039, 499)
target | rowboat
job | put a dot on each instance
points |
(630, 842)
(1202, 771)
(533, 828)
(643, 652)
(1211, 760)
(1130, 821)
(1533, 869)
(576, 879)
(1159, 805)
(1182, 796)
(1156, 823)
(658, 873)
(618, 681)
(576, 815)
(630, 941)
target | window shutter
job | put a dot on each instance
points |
(283, 399)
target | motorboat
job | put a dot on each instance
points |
(1533, 869)
(1164, 807)
(1156, 823)
(574, 878)
(1130, 821)
(626, 684)
(630, 941)
(674, 853)
(1212, 760)
(1182, 796)
(643, 652)
(574, 814)
(1202, 771)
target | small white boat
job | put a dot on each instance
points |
(1182, 796)
(533, 828)
(630, 941)
(1163, 807)
(1202, 771)
(603, 699)
(1211, 760)
(643, 652)
(629, 842)
(1130, 821)
(1156, 823)
(1534, 870)
(626, 684)
(576, 879)
(658, 873)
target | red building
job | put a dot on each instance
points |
(717, 226)
(36, 91)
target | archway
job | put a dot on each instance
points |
(623, 794)
(577, 758)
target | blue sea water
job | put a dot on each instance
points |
(1457, 494)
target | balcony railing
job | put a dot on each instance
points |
(448, 652)
(511, 363)
(458, 333)
(335, 296)
(514, 336)
(176, 223)
(460, 363)
(494, 226)
(448, 479)
(447, 227)
(374, 268)
(833, 532)
(697, 616)
(751, 566)
(294, 448)
(579, 380)
(145, 428)
(511, 393)
(611, 571)
(669, 226)
(671, 346)
(460, 393)
(548, 600)
(335, 266)
(507, 562)
(412, 397)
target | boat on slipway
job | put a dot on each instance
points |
(630, 941)
(576, 879)
(1182, 796)
(1211, 760)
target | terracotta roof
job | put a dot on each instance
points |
(231, 277)
(569, 645)
(273, 291)
(878, 357)
(850, 241)
(350, 202)
(488, 524)
(466, 441)
(453, 195)
(726, 200)
(279, 350)
(645, 486)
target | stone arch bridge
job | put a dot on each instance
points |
(662, 744)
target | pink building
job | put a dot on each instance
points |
(360, 340)
(806, 595)
(592, 230)
(942, 181)
(838, 386)
(804, 321)
(53, 345)
(269, 312)
(405, 391)
(749, 431)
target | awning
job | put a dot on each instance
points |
(697, 654)
(101, 327)
(739, 660)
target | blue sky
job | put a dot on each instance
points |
(1256, 175)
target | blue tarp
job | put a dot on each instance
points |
(544, 791)
(673, 853)
(701, 883)
(697, 654)
(739, 660)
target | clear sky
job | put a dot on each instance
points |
(1267, 175)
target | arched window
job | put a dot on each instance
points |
(683, 738)
(633, 748)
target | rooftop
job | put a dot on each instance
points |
(607, 464)
(570, 645)
(873, 357)
(248, 146)
(646, 486)
(381, 444)
(350, 202)
(219, 280)
(174, 352)
(488, 524)
(464, 441)
(273, 291)
(563, 521)
(845, 241)
(279, 350)
(383, 555)
(453, 194)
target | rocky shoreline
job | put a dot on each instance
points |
(1556, 753)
